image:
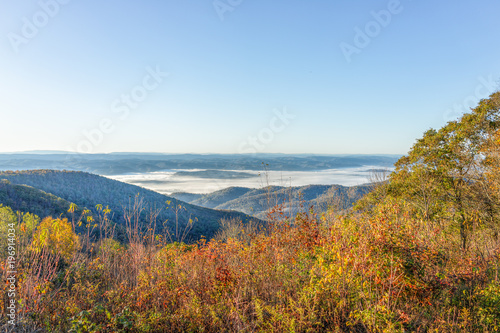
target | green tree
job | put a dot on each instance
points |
(57, 236)
(445, 174)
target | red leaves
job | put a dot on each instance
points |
(223, 275)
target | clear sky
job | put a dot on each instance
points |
(289, 76)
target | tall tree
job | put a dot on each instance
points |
(452, 173)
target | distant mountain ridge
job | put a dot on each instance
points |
(123, 163)
(257, 202)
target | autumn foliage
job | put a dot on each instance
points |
(399, 263)
(57, 237)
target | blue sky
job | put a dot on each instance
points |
(325, 77)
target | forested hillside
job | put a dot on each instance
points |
(26, 199)
(87, 191)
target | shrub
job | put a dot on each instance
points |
(57, 236)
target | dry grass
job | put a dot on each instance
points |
(387, 272)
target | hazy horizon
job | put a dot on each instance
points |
(58, 152)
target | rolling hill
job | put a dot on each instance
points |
(26, 199)
(257, 202)
(88, 190)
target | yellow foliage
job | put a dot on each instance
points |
(57, 236)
